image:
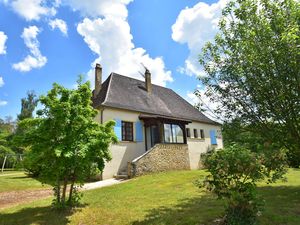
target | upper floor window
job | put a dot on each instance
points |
(127, 131)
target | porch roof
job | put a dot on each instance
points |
(163, 118)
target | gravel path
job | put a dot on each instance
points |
(11, 198)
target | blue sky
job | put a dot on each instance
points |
(42, 42)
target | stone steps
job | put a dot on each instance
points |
(121, 175)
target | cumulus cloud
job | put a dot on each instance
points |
(3, 39)
(59, 24)
(96, 8)
(110, 38)
(31, 9)
(1, 81)
(35, 59)
(194, 27)
(3, 103)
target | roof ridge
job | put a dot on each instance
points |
(121, 75)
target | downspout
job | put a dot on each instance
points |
(101, 116)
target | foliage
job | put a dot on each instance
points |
(253, 69)
(234, 172)
(65, 142)
(236, 132)
(28, 105)
(6, 149)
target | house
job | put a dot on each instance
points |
(157, 129)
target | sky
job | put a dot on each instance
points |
(42, 42)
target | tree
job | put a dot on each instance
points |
(6, 129)
(253, 69)
(234, 172)
(66, 144)
(28, 105)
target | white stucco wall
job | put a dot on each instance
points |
(122, 152)
(197, 146)
(125, 152)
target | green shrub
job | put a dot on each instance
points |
(234, 172)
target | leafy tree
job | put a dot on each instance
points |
(253, 69)
(28, 105)
(6, 130)
(66, 144)
(234, 172)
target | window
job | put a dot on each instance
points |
(173, 133)
(195, 133)
(202, 134)
(188, 132)
(127, 131)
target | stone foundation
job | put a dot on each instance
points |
(162, 157)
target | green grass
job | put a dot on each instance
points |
(166, 198)
(17, 181)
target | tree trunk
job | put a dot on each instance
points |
(63, 197)
(57, 191)
(71, 190)
(71, 193)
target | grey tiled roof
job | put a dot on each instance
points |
(123, 92)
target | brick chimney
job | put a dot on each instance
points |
(148, 81)
(98, 79)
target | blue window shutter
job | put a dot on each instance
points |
(138, 131)
(118, 129)
(213, 139)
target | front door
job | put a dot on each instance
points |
(152, 136)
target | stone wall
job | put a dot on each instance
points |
(162, 157)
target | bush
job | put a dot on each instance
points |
(234, 172)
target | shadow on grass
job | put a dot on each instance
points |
(21, 178)
(38, 215)
(201, 210)
(282, 206)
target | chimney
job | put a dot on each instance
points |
(148, 81)
(98, 79)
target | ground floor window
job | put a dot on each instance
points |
(127, 131)
(173, 133)
(202, 134)
(188, 132)
(195, 133)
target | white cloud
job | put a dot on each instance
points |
(31, 9)
(195, 26)
(3, 103)
(110, 38)
(96, 8)
(35, 59)
(1, 82)
(3, 39)
(59, 24)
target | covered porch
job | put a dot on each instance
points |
(163, 130)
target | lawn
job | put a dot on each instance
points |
(166, 198)
(17, 181)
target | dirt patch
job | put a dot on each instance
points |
(11, 198)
